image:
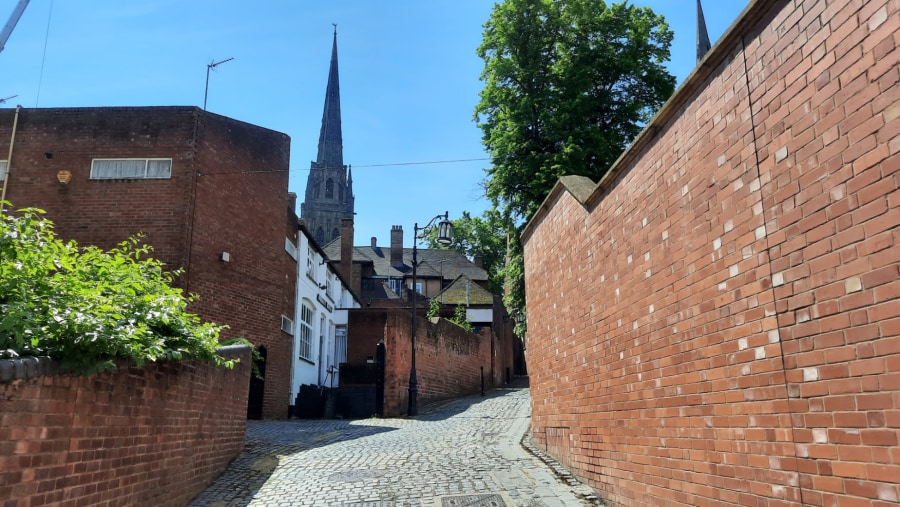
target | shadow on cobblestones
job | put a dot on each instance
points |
(267, 442)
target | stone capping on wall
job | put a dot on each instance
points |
(721, 50)
(44, 366)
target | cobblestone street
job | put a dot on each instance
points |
(465, 452)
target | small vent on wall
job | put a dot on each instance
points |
(287, 325)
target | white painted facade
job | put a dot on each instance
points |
(319, 326)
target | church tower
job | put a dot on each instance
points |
(329, 188)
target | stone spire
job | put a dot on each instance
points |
(703, 44)
(331, 152)
(329, 188)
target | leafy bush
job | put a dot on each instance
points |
(461, 319)
(86, 307)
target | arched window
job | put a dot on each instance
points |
(316, 189)
(335, 233)
(320, 236)
(329, 189)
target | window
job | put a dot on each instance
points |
(320, 236)
(335, 233)
(329, 286)
(131, 168)
(329, 189)
(310, 266)
(306, 331)
(2, 170)
(340, 345)
(290, 248)
(287, 325)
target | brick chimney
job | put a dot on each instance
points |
(396, 245)
(346, 264)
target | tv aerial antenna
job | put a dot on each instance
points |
(209, 67)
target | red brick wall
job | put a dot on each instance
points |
(156, 435)
(448, 359)
(228, 193)
(717, 323)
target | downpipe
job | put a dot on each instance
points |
(12, 142)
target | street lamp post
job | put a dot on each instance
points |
(445, 233)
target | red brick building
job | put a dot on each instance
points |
(209, 193)
(717, 321)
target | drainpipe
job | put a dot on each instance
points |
(12, 141)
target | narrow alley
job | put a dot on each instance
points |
(464, 452)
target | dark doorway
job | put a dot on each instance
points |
(257, 386)
(379, 379)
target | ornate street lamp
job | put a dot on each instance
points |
(445, 234)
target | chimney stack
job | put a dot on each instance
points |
(346, 264)
(397, 245)
(374, 242)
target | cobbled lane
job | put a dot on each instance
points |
(467, 452)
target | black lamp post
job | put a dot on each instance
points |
(445, 233)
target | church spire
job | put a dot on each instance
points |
(329, 187)
(330, 143)
(703, 44)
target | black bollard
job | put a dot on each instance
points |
(482, 380)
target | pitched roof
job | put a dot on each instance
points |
(465, 291)
(433, 263)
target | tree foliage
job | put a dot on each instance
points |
(568, 85)
(86, 307)
(483, 237)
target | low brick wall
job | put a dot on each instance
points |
(448, 359)
(156, 435)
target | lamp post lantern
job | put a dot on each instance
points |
(445, 237)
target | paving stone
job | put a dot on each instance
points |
(468, 451)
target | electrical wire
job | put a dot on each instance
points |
(395, 164)
(44, 57)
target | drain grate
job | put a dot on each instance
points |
(474, 501)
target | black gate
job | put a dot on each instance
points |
(379, 379)
(257, 386)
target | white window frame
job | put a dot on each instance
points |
(287, 325)
(310, 265)
(141, 174)
(4, 166)
(290, 248)
(305, 334)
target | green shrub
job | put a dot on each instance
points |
(86, 307)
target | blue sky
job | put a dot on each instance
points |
(408, 69)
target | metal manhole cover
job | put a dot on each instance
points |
(473, 501)
(355, 475)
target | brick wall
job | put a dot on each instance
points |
(448, 359)
(228, 193)
(716, 322)
(156, 435)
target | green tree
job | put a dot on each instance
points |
(483, 237)
(87, 307)
(568, 85)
